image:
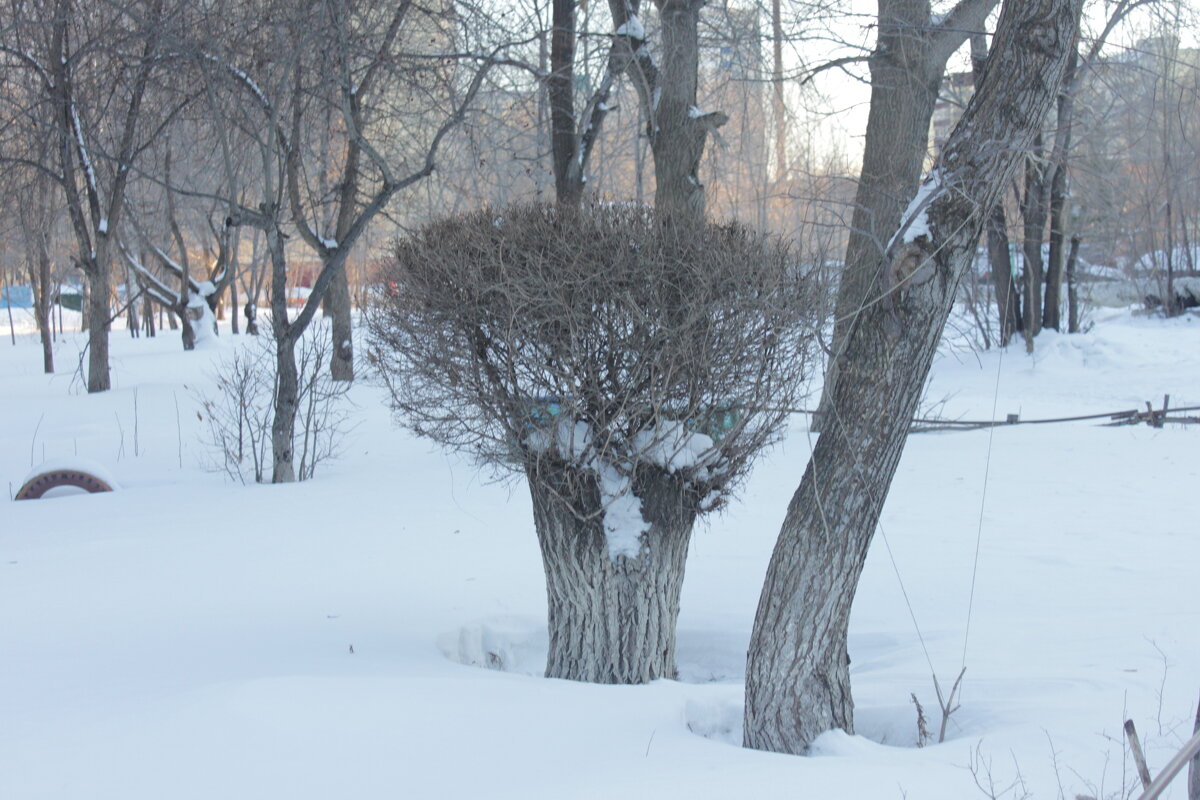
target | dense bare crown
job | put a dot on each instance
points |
(534, 333)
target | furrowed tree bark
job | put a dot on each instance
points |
(906, 71)
(610, 620)
(797, 676)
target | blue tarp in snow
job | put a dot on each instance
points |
(17, 296)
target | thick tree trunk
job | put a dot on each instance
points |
(337, 299)
(611, 620)
(797, 679)
(568, 188)
(906, 71)
(679, 129)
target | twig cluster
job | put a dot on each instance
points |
(600, 334)
(240, 414)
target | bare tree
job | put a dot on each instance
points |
(797, 677)
(630, 369)
(92, 67)
(279, 73)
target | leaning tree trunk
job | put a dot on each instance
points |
(611, 620)
(906, 71)
(797, 675)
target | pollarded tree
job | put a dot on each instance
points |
(797, 672)
(630, 368)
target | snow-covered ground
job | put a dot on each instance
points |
(190, 637)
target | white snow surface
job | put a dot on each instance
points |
(672, 446)
(190, 638)
(632, 28)
(624, 525)
(915, 222)
(73, 464)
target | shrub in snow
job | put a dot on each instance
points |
(629, 367)
(240, 414)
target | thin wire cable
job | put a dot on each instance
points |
(987, 468)
(855, 318)
(887, 545)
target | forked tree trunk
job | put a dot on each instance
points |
(906, 71)
(610, 620)
(797, 675)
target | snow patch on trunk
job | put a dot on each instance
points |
(624, 524)
(915, 222)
